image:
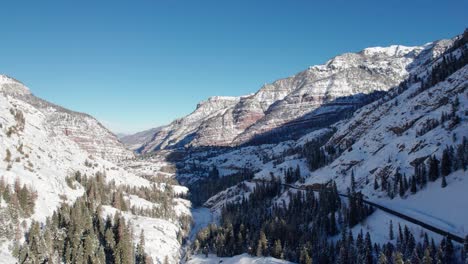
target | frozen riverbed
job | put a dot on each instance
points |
(202, 217)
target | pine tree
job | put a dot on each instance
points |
(382, 259)
(140, 254)
(376, 184)
(462, 155)
(448, 251)
(444, 182)
(398, 258)
(465, 250)
(427, 259)
(304, 257)
(277, 249)
(353, 182)
(445, 165)
(262, 245)
(401, 188)
(297, 173)
(413, 185)
(391, 236)
(368, 246)
(110, 244)
(433, 168)
(333, 227)
(415, 258)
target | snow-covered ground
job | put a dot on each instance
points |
(240, 259)
(445, 208)
(42, 157)
(160, 235)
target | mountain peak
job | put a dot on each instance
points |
(12, 86)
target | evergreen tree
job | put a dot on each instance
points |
(368, 248)
(444, 182)
(401, 189)
(140, 255)
(262, 245)
(277, 249)
(433, 168)
(353, 182)
(415, 258)
(398, 258)
(448, 251)
(382, 259)
(427, 259)
(413, 185)
(445, 165)
(465, 250)
(390, 231)
(305, 257)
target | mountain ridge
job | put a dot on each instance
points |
(231, 121)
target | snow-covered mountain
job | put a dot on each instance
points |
(81, 128)
(386, 146)
(384, 117)
(43, 145)
(320, 94)
(135, 141)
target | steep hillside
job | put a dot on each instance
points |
(136, 140)
(407, 151)
(51, 162)
(83, 129)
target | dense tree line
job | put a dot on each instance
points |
(78, 234)
(17, 201)
(264, 225)
(317, 154)
(298, 229)
(450, 63)
(292, 175)
(108, 193)
(430, 169)
(18, 195)
(203, 189)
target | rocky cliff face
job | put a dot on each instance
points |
(182, 130)
(320, 92)
(83, 129)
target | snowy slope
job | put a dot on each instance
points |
(83, 129)
(41, 155)
(136, 140)
(391, 135)
(377, 149)
(242, 259)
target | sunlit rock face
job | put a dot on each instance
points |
(322, 90)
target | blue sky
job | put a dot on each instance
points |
(140, 64)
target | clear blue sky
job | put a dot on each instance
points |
(142, 63)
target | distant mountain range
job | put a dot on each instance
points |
(318, 96)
